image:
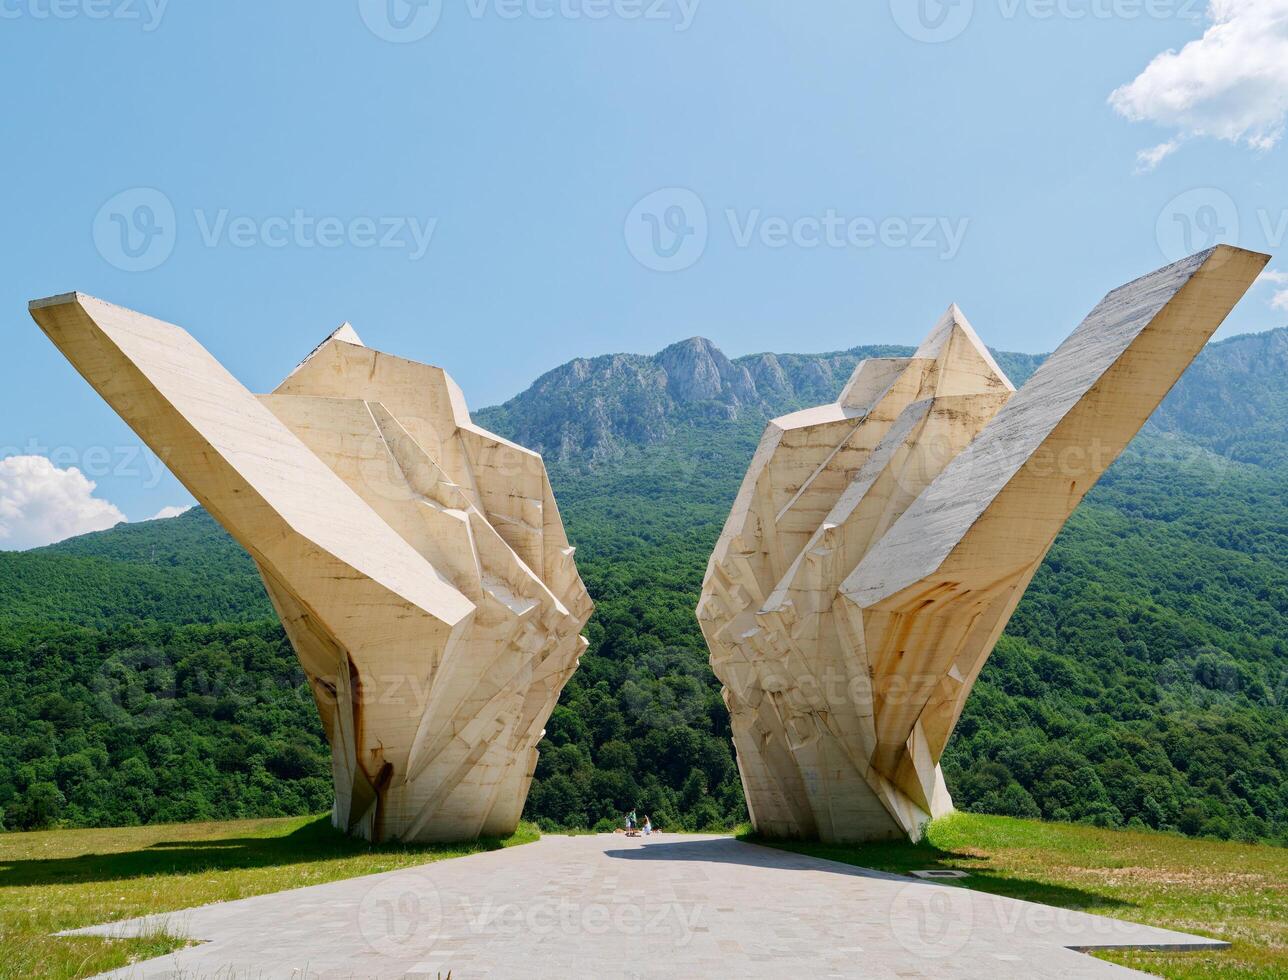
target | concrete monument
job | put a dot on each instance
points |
(879, 545)
(418, 562)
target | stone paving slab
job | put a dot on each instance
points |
(610, 907)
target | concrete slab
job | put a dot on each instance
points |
(662, 906)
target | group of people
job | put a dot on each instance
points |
(633, 827)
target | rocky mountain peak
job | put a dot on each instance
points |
(697, 370)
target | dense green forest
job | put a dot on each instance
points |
(1141, 682)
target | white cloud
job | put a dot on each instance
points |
(1147, 160)
(1231, 84)
(41, 504)
(171, 511)
(1275, 277)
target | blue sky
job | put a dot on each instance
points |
(486, 196)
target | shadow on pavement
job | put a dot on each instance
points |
(729, 850)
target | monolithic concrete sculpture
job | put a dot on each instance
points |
(418, 563)
(879, 545)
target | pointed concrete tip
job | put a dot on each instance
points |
(954, 320)
(1226, 247)
(1225, 253)
(62, 299)
(1208, 258)
(1263, 257)
(346, 333)
(75, 298)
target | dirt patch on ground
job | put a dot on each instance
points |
(1176, 876)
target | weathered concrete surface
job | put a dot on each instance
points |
(879, 545)
(666, 906)
(418, 563)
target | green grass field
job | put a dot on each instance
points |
(64, 879)
(1235, 892)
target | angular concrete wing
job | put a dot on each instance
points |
(418, 563)
(879, 546)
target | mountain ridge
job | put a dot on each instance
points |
(592, 410)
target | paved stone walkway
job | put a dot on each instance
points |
(608, 907)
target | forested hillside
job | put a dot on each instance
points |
(179, 571)
(1142, 680)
